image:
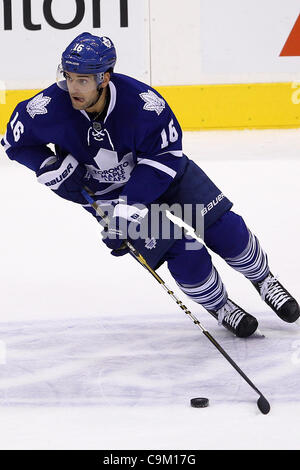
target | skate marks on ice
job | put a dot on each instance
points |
(150, 361)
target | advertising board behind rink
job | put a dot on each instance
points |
(37, 31)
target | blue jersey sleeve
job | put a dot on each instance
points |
(158, 151)
(23, 140)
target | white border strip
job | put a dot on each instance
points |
(159, 166)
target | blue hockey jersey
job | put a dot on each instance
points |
(136, 151)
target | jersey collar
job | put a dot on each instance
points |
(113, 98)
(112, 103)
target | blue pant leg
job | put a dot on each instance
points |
(206, 203)
(230, 238)
(194, 273)
(188, 261)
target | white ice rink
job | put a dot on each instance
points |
(95, 355)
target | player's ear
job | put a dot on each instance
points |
(106, 80)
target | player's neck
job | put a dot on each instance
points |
(100, 104)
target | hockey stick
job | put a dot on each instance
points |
(262, 402)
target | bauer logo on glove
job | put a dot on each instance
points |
(60, 178)
(66, 177)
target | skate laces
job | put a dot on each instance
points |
(230, 313)
(271, 290)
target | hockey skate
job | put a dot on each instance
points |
(278, 298)
(235, 319)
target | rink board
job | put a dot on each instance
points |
(197, 107)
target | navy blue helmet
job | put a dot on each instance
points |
(87, 54)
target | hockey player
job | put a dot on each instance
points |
(119, 138)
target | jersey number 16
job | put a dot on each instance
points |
(173, 135)
(17, 127)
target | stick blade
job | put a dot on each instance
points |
(263, 405)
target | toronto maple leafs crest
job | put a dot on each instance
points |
(153, 102)
(38, 105)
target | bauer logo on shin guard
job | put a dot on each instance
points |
(212, 204)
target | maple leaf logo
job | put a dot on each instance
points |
(38, 105)
(153, 102)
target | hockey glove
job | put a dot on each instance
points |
(124, 224)
(66, 177)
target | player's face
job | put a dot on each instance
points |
(82, 89)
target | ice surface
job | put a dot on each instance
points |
(93, 353)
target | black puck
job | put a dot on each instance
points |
(199, 402)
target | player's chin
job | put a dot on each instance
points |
(78, 103)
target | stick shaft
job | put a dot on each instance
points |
(142, 261)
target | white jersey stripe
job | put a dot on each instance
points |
(175, 153)
(159, 166)
(112, 187)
